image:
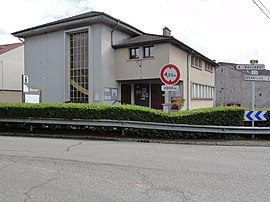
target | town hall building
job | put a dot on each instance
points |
(96, 58)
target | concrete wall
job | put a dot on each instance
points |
(231, 88)
(45, 65)
(228, 85)
(103, 60)
(47, 62)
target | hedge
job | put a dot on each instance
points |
(226, 116)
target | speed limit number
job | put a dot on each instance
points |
(169, 74)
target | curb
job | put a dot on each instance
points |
(252, 143)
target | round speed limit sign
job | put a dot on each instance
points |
(169, 74)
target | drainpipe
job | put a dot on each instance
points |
(188, 80)
(20, 39)
(113, 31)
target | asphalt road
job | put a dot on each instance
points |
(40, 169)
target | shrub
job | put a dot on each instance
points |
(226, 116)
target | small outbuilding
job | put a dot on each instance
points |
(11, 70)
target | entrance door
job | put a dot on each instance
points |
(125, 94)
(157, 98)
(142, 94)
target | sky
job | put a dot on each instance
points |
(234, 31)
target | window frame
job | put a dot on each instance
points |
(78, 66)
(150, 51)
(196, 62)
(208, 67)
(134, 53)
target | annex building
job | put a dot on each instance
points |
(11, 70)
(96, 58)
(233, 90)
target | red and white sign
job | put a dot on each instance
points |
(169, 74)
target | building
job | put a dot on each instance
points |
(96, 58)
(232, 89)
(11, 70)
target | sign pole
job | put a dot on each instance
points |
(167, 104)
(253, 99)
(253, 62)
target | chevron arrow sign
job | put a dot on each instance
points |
(256, 115)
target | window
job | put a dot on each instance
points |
(208, 67)
(148, 52)
(79, 67)
(134, 53)
(196, 62)
(202, 91)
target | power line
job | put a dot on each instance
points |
(264, 6)
(262, 9)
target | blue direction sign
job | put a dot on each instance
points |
(256, 115)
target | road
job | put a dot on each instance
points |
(40, 169)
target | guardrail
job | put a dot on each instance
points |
(144, 125)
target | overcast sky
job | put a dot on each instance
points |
(223, 30)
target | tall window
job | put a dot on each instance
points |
(208, 67)
(134, 53)
(196, 62)
(148, 52)
(79, 67)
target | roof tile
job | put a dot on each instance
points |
(8, 47)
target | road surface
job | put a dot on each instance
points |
(40, 169)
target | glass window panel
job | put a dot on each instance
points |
(151, 51)
(79, 67)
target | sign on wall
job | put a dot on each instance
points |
(110, 94)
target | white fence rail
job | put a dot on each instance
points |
(146, 125)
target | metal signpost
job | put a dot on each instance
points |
(253, 69)
(169, 75)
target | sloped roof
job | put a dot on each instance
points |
(144, 39)
(233, 66)
(81, 20)
(150, 39)
(8, 47)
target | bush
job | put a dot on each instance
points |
(222, 116)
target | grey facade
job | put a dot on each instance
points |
(231, 89)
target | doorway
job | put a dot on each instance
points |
(157, 98)
(141, 94)
(125, 94)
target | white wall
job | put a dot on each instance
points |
(11, 69)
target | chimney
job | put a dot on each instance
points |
(166, 31)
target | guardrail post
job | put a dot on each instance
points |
(31, 128)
